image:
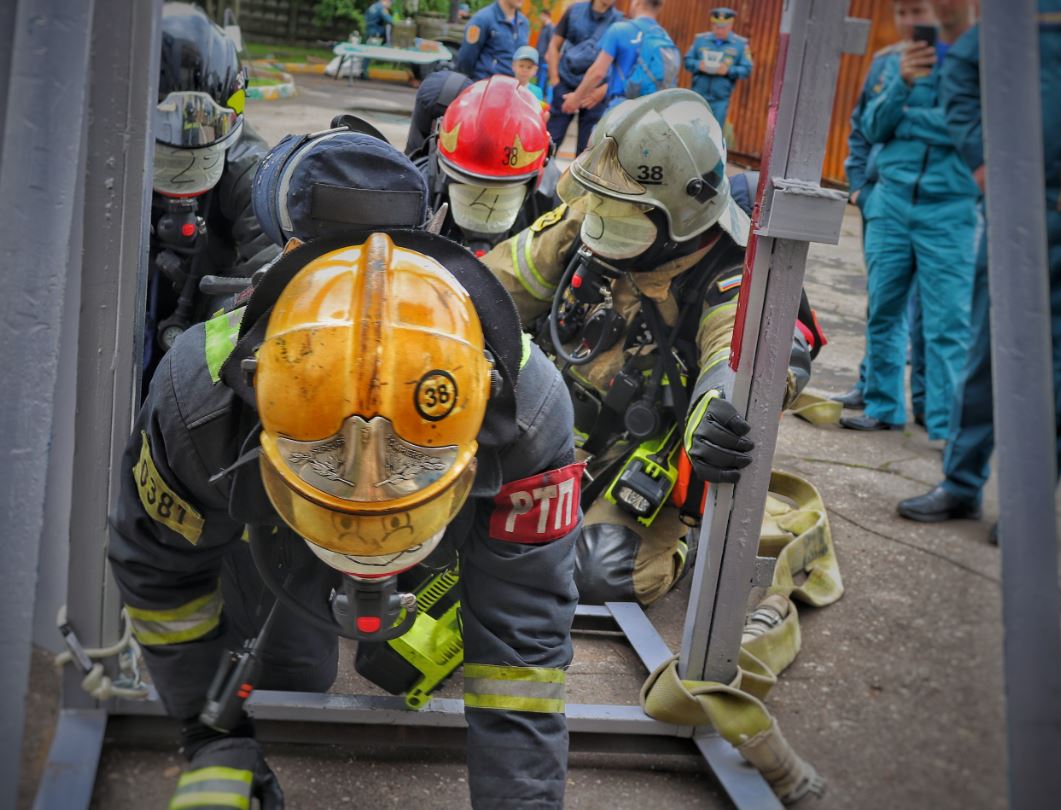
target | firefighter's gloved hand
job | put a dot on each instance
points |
(227, 773)
(715, 440)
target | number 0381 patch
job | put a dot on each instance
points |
(160, 502)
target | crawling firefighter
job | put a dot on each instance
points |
(369, 407)
(631, 286)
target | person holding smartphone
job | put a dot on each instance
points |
(920, 225)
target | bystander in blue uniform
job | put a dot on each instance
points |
(378, 19)
(972, 438)
(861, 170)
(491, 39)
(921, 214)
(717, 59)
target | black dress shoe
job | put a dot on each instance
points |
(866, 423)
(919, 419)
(938, 505)
(851, 399)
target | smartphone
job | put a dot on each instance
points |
(925, 33)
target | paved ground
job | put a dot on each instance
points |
(896, 696)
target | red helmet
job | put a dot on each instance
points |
(493, 134)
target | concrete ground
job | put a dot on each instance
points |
(896, 697)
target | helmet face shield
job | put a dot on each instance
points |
(616, 229)
(383, 565)
(486, 210)
(192, 120)
(366, 461)
(187, 172)
(350, 528)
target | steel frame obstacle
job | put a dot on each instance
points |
(104, 52)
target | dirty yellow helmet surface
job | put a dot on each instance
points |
(371, 385)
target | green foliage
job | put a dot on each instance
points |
(326, 12)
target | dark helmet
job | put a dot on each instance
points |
(201, 95)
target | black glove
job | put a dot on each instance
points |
(228, 772)
(715, 440)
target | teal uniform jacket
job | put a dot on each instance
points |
(966, 461)
(716, 89)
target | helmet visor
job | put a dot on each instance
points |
(366, 534)
(486, 210)
(191, 120)
(187, 172)
(616, 229)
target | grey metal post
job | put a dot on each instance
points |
(1023, 398)
(123, 88)
(40, 162)
(795, 211)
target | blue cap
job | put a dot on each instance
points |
(333, 182)
(526, 52)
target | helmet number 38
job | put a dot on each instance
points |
(435, 395)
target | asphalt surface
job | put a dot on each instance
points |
(895, 698)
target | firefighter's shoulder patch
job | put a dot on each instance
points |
(161, 503)
(549, 218)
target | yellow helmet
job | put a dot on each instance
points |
(371, 384)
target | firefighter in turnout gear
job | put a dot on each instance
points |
(367, 407)
(205, 158)
(490, 175)
(631, 285)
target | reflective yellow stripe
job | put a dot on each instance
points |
(215, 772)
(514, 704)
(185, 623)
(526, 272)
(718, 357)
(697, 415)
(525, 352)
(222, 332)
(718, 311)
(520, 689)
(209, 799)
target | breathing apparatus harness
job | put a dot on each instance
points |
(641, 479)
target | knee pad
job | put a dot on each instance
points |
(604, 563)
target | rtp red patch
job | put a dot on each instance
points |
(538, 509)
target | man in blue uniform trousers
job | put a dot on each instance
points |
(922, 215)
(860, 165)
(491, 39)
(972, 439)
(572, 50)
(717, 59)
(378, 20)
